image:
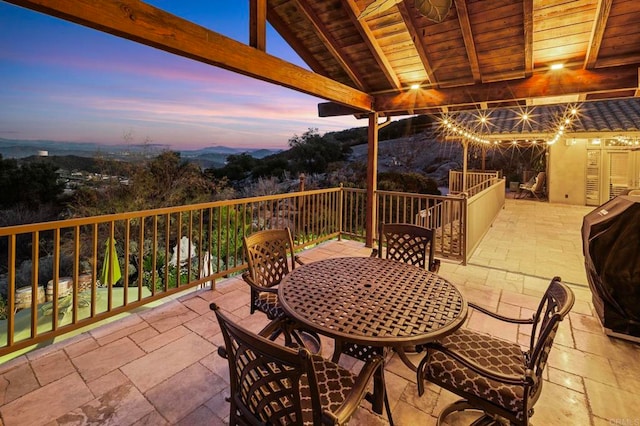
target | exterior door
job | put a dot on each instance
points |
(610, 172)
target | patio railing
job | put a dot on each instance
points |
(473, 180)
(64, 275)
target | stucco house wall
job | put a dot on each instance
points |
(567, 163)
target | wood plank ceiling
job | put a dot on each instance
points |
(484, 54)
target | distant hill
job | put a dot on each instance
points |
(208, 157)
(213, 156)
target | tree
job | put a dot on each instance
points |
(312, 153)
(407, 182)
(163, 181)
(31, 184)
(238, 167)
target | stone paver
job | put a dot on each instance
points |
(48, 402)
(157, 366)
(160, 367)
(185, 392)
(105, 359)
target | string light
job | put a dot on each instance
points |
(564, 123)
(451, 126)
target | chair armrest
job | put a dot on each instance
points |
(374, 252)
(510, 379)
(501, 317)
(355, 396)
(247, 278)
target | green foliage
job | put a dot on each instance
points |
(162, 277)
(238, 167)
(312, 153)
(273, 166)
(65, 304)
(31, 184)
(407, 182)
(163, 181)
(3, 308)
(74, 162)
(514, 160)
(309, 153)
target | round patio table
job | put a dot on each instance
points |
(372, 301)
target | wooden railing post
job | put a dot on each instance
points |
(340, 212)
(372, 178)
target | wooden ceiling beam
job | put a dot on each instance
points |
(376, 51)
(258, 24)
(597, 32)
(527, 6)
(539, 85)
(329, 42)
(285, 32)
(417, 41)
(467, 36)
(146, 24)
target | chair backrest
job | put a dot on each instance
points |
(265, 377)
(554, 306)
(269, 255)
(411, 244)
(538, 186)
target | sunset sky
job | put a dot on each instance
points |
(65, 82)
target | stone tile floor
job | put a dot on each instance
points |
(159, 366)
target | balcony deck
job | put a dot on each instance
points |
(160, 366)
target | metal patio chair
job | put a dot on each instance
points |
(276, 385)
(534, 188)
(492, 375)
(407, 243)
(270, 257)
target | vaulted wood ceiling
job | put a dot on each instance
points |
(486, 53)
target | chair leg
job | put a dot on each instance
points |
(293, 337)
(387, 405)
(379, 396)
(272, 330)
(464, 405)
(308, 339)
(402, 354)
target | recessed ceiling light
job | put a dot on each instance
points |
(415, 86)
(558, 66)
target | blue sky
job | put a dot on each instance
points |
(62, 81)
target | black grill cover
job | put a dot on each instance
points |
(611, 248)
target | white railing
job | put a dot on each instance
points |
(482, 210)
(457, 184)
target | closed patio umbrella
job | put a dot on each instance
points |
(110, 267)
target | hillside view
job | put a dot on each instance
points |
(62, 180)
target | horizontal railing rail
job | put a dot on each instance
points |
(473, 180)
(476, 189)
(64, 275)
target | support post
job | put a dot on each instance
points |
(465, 155)
(258, 24)
(372, 178)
